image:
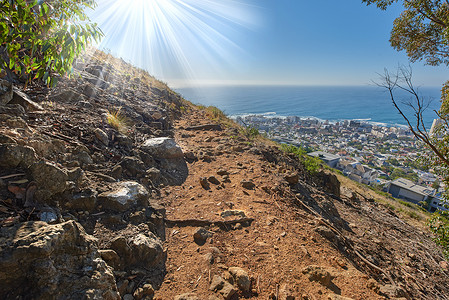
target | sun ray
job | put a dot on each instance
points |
(175, 38)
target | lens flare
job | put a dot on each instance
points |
(175, 39)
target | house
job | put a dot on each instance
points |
(408, 190)
(436, 203)
(330, 159)
(358, 172)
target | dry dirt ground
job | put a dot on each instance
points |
(386, 257)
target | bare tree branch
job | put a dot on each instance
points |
(402, 80)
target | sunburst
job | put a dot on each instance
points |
(174, 38)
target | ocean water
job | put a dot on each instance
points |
(333, 103)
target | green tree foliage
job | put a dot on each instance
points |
(41, 39)
(422, 30)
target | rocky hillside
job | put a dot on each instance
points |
(114, 187)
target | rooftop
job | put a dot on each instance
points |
(324, 155)
(411, 186)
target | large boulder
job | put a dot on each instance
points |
(23, 100)
(50, 180)
(169, 157)
(40, 261)
(14, 155)
(123, 196)
(142, 250)
(162, 147)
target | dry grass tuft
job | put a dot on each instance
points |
(117, 120)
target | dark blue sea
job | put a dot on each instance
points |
(333, 103)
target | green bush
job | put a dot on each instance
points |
(439, 225)
(250, 132)
(41, 39)
(312, 164)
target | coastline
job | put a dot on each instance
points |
(333, 122)
(333, 103)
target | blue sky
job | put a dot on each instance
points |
(320, 42)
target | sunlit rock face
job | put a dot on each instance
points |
(169, 157)
(123, 196)
(41, 261)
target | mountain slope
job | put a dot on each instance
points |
(143, 195)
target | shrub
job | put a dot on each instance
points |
(216, 113)
(312, 164)
(250, 132)
(41, 39)
(439, 225)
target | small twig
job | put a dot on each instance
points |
(12, 175)
(98, 214)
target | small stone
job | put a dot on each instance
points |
(204, 183)
(162, 147)
(217, 283)
(49, 217)
(213, 179)
(111, 258)
(201, 235)
(128, 297)
(209, 258)
(123, 196)
(222, 172)
(317, 273)
(229, 213)
(117, 172)
(241, 278)
(122, 286)
(247, 184)
(13, 155)
(186, 296)
(101, 136)
(390, 290)
(227, 291)
(145, 291)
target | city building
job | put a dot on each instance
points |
(408, 190)
(330, 159)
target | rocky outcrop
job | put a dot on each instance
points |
(162, 148)
(40, 261)
(123, 196)
(143, 250)
(14, 155)
(169, 157)
(50, 180)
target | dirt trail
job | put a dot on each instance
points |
(275, 248)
